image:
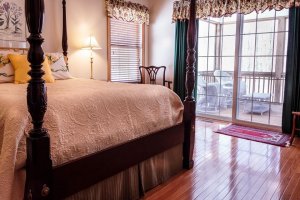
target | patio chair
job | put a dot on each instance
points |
(223, 77)
(210, 102)
(226, 82)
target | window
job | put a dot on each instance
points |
(245, 53)
(125, 51)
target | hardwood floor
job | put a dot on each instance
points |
(231, 168)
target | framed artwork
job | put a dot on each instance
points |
(12, 24)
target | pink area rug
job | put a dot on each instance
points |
(258, 135)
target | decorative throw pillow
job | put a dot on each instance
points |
(6, 69)
(21, 66)
(58, 66)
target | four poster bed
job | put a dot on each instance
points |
(49, 178)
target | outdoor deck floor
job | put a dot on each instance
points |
(274, 117)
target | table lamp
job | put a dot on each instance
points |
(92, 45)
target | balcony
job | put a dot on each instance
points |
(259, 98)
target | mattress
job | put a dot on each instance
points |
(83, 117)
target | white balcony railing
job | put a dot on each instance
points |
(258, 82)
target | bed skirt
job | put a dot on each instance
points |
(132, 183)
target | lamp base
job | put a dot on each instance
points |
(92, 77)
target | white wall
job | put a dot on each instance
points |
(84, 17)
(162, 35)
(50, 28)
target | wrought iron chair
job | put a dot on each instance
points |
(152, 72)
(226, 82)
(210, 102)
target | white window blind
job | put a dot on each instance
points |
(126, 51)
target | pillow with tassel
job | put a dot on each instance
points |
(58, 65)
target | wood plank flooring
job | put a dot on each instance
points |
(231, 168)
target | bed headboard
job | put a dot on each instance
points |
(21, 50)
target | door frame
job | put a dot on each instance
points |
(233, 119)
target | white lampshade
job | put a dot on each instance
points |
(91, 43)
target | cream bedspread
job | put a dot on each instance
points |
(83, 116)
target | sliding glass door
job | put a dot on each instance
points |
(216, 56)
(262, 66)
(241, 67)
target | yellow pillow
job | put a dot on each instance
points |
(21, 66)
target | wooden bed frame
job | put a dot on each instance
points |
(43, 181)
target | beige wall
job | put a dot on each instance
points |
(84, 17)
(50, 28)
(162, 35)
(87, 17)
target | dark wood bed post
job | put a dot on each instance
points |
(189, 102)
(38, 163)
(65, 32)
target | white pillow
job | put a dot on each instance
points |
(58, 66)
(7, 73)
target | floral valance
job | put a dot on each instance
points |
(127, 11)
(219, 8)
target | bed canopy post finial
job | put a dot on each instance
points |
(189, 102)
(38, 163)
(65, 31)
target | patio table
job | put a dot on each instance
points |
(257, 103)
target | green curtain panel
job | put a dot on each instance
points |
(180, 59)
(292, 84)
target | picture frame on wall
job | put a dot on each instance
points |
(13, 31)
